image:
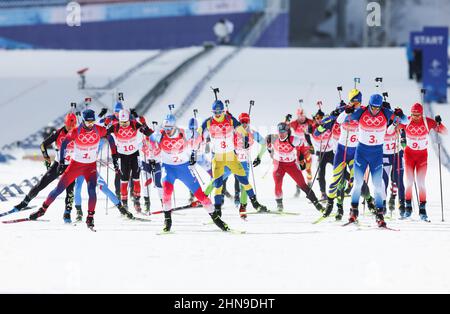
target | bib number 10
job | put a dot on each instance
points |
(128, 148)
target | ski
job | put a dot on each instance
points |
(272, 212)
(192, 205)
(235, 231)
(92, 229)
(21, 220)
(140, 219)
(322, 218)
(165, 232)
(16, 210)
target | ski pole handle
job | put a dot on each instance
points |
(252, 103)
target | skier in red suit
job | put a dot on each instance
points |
(416, 155)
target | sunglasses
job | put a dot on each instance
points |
(217, 112)
(89, 123)
(124, 123)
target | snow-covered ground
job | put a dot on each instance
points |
(279, 253)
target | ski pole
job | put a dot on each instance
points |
(107, 179)
(417, 194)
(440, 181)
(356, 80)
(215, 91)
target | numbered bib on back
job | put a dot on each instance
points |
(284, 151)
(127, 140)
(372, 129)
(86, 145)
(417, 136)
(174, 151)
(222, 136)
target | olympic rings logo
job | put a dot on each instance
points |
(173, 144)
(373, 121)
(88, 138)
(126, 133)
(420, 130)
(283, 147)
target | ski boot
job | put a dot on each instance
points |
(297, 192)
(36, 215)
(218, 209)
(147, 205)
(243, 211)
(137, 204)
(354, 213)
(23, 204)
(124, 211)
(323, 197)
(167, 221)
(318, 206)
(423, 212)
(90, 220)
(125, 203)
(219, 222)
(280, 206)
(191, 197)
(257, 206)
(380, 218)
(66, 217)
(237, 200)
(402, 210)
(391, 203)
(340, 212)
(371, 205)
(329, 207)
(79, 213)
(408, 210)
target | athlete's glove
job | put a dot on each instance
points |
(47, 162)
(103, 112)
(336, 112)
(152, 164)
(61, 169)
(302, 162)
(438, 119)
(349, 109)
(256, 162)
(142, 121)
(246, 143)
(398, 112)
(386, 105)
(134, 113)
(403, 142)
(193, 159)
(115, 160)
(107, 121)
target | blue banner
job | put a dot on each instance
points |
(433, 42)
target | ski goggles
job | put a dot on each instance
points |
(89, 123)
(124, 123)
(168, 128)
(218, 112)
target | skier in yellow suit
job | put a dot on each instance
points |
(221, 128)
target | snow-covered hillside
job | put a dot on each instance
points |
(279, 254)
